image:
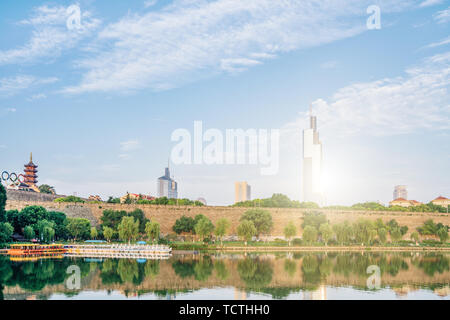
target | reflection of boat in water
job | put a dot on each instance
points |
(119, 251)
(36, 250)
(35, 258)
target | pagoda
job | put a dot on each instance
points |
(30, 172)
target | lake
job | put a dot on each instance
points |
(298, 275)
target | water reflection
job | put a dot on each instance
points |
(276, 276)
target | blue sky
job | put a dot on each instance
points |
(97, 104)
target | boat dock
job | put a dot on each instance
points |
(119, 251)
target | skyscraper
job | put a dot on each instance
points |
(166, 186)
(400, 192)
(312, 163)
(242, 192)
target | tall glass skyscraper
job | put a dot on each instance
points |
(166, 186)
(312, 164)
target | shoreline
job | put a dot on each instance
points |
(314, 249)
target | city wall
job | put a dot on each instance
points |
(167, 215)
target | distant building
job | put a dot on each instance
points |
(402, 202)
(202, 200)
(312, 164)
(242, 192)
(166, 186)
(441, 201)
(400, 192)
(135, 197)
(27, 181)
(95, 198)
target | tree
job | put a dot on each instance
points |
(415, 236)
(31, 215)
(152, 229)
(310, 234)
(45, 229)
(222, 226)
(344, 232)
(289, 231)
(128, 229)
(326, 231)
(183, 224)
(246, 230)
(442, 233)
(94, 233)
(2, 203)
(45, 188)
(396, 235)
(6, 231)
(382, 235)
(28, 232)
(262, 220)
(204, 227)
(79, 228)
(108, 233)
(60, 221)
(364, 231)
(313, 219)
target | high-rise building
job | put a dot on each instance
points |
(166, 186)
(242, 191)
(312, 163)
(400, 192)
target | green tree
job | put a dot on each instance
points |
(246, 230)
(45, 188)
(326, 232)
(364, 231)
(442, 233)
(79, 228)
(2, 203)
(45, 230)
(262, 220)
(310, 234)
(396, 235)
(344, 232)
(28, 232)
(415, 236)
(382, 235)
(183, 224)
(204, 227)
(108, 233)
(128, 229)
(6, 231)
(31, 216)
(290, 231)
(222, 226)
(152, 229)
(94, 233)
(314, 219)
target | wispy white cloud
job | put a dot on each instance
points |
(130, 145)
(150, 3)
(11, 109)
(12, 85)
(438, 43)
(429, 3)
(442, 16)
(50, 35)
(419, 100)
(37, 96)
(191, 39)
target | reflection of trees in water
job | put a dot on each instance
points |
(35, 275)
(130, 271)
(152, 268)
(290, 267)
(221, 270)
(201, 270)
(256, 273)
(432, 263)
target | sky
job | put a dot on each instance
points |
(97, 99)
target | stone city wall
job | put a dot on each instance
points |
(167, 215)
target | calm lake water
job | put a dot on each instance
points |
(232, 276)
